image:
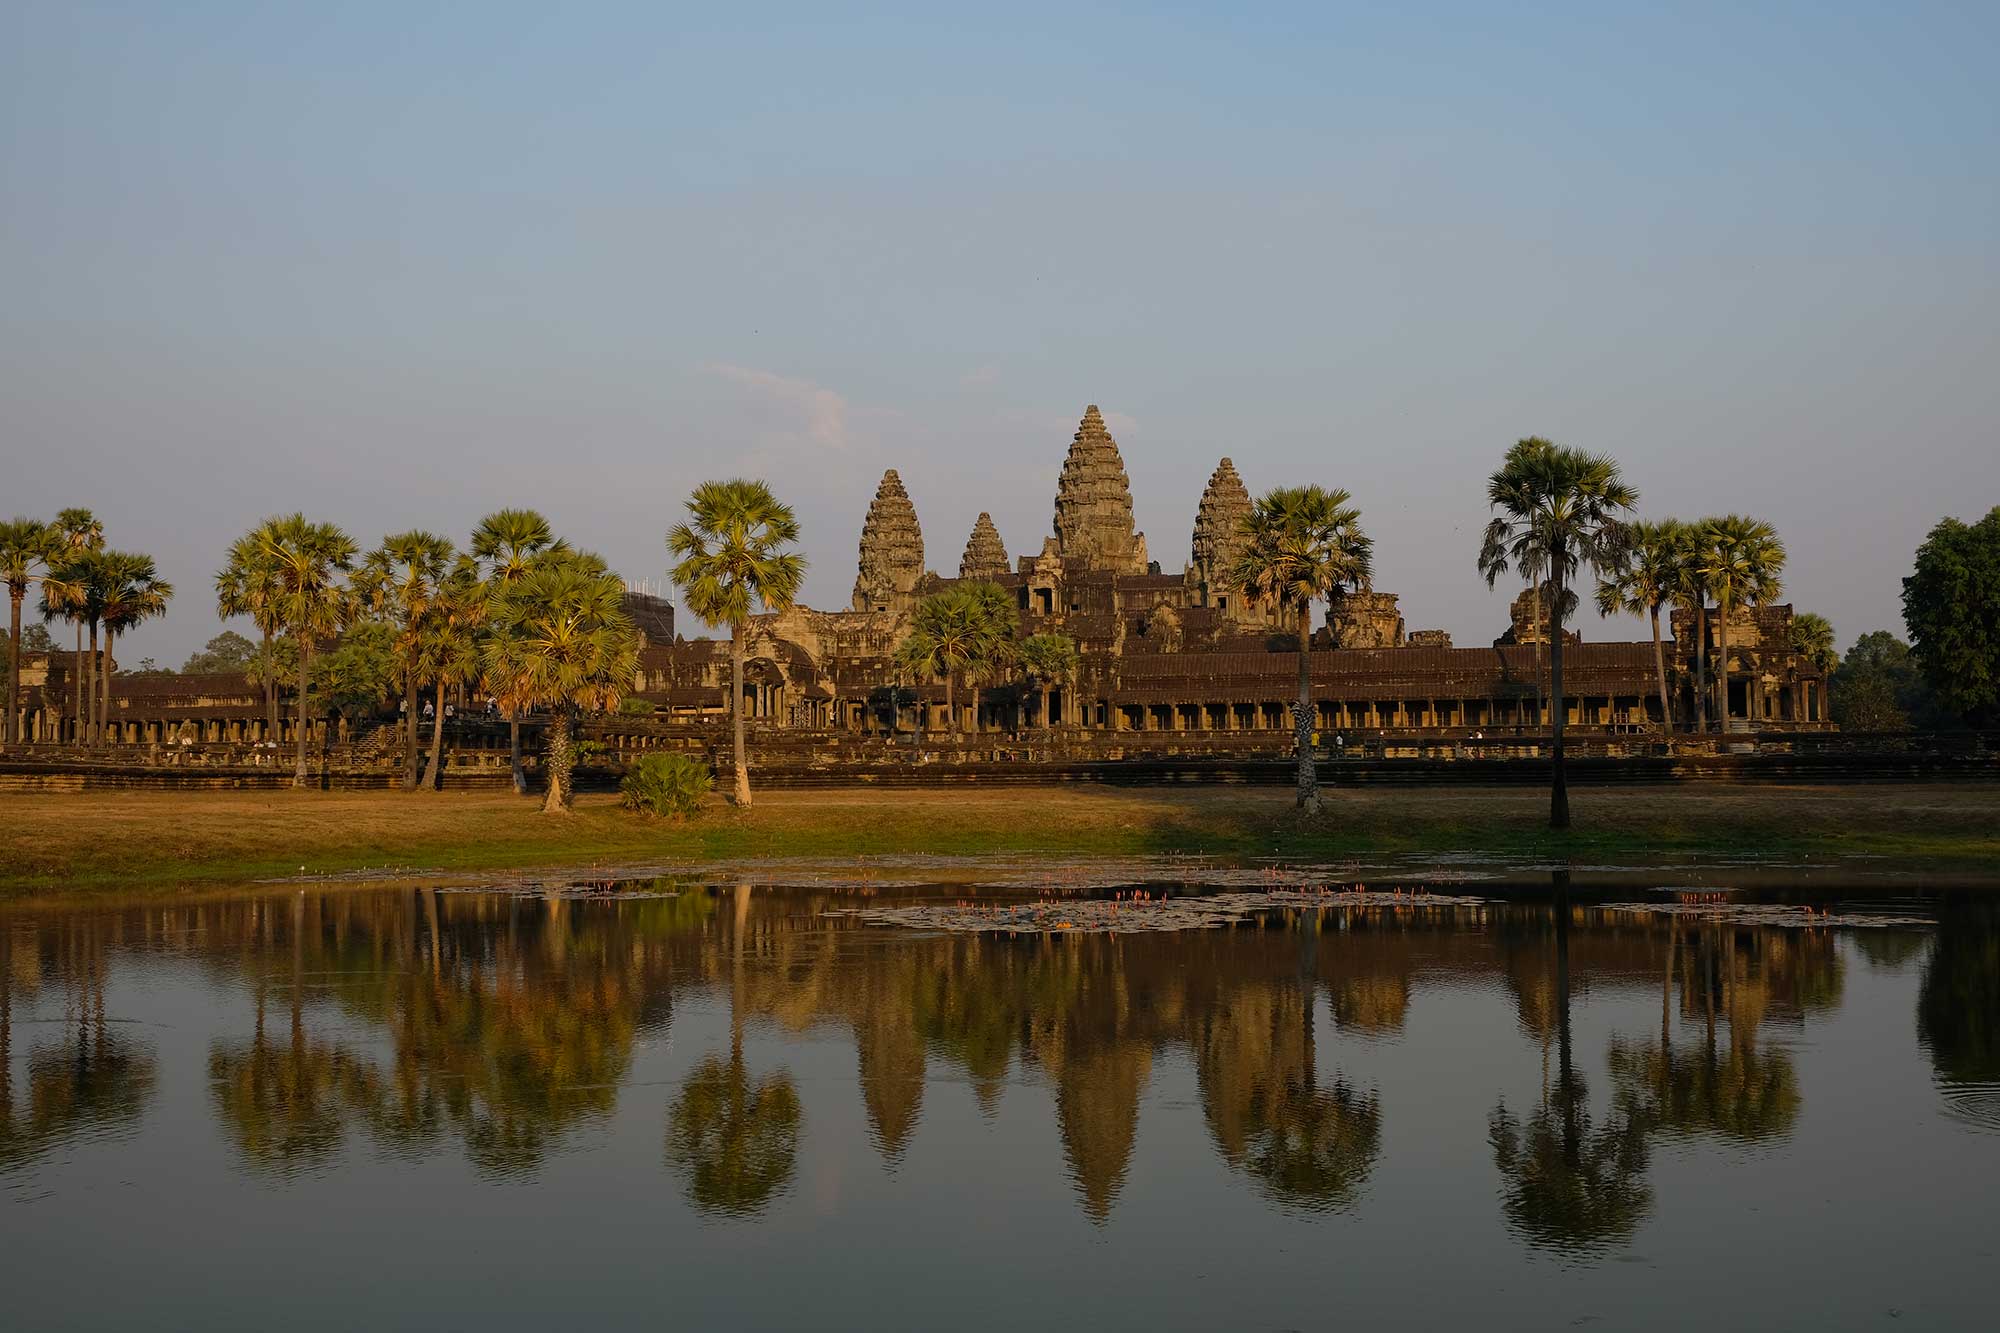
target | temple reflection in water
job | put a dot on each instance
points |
(504, 1027)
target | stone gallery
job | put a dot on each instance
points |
(1186, 653)
(1158, 653)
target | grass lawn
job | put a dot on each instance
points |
(61, 843)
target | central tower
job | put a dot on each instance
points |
(1094, 503)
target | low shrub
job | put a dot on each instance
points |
(631, 707)
(671, 786)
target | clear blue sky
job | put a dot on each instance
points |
(398, 265)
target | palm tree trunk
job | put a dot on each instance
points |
(1722, 666)
(90, 690)
(1308, 795)
(12, 731)
(736, 714)
(270, 691)
(1660, 665)
(104, 713)
(1701, 664)
(1540, 707)
(76, 688)
(1558, 779)
(556, 801)
(435, 769)
(300, 776)
(514, 750)
(951, 703)
(410, 728)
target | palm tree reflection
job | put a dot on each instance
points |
(734, 1143)
(1568, 1182)
(94, 1082)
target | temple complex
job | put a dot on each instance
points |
(1185, 659)
(1187, 652)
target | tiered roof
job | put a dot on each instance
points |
(892, 548)
(985, 554)
(1094, 502)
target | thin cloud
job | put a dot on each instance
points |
(823, 412)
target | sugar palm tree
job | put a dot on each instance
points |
(63, 594)
(27, 548)
(1556, 509)
(1690, 586)
(1048, 660)
(732, 555)
(248, 585)
(400, 582)
(1641, 584)
(1302, 545)
(313, 602)
(965, 630)
(506, 542)
(1742, 560)
(559, 639)
(448, 649)
(131, 592)
(1812, 639)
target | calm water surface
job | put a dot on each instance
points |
(724, 1107)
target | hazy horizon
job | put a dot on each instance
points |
(400, 268)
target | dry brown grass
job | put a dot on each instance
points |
(148, 839)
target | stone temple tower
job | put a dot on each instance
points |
(892, 550)
(985, 554)
(1218, 539)
(1094, 503)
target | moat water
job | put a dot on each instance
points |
(713, 1106)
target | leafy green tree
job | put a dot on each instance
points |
(559, 639)
(1302, 545)
(966, 630)
(130, 592)
(361, 672)
(400, 581)
(248, 584)
(732, 555)
(226, 652)
(1812, 639)
(1556, 510)
(27, 549)
(1879, 687)
(448, 649)
(1641, 583)
(313, 601)
(506, 543)
(1742, 560)
(1048, 660)
(1951, 604)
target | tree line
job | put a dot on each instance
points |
(540, 626)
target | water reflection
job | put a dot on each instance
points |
(1958, 1010)
(735, 1143)
(88, 1078)
(506, 1030)
(1568, 1182)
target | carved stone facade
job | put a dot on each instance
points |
(985, 554)
(892, 550)
(1165, 652)
(1158, 653)
(1094, 503)
(1218, 540)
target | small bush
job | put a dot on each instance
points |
(669, 785)
(631, 707)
